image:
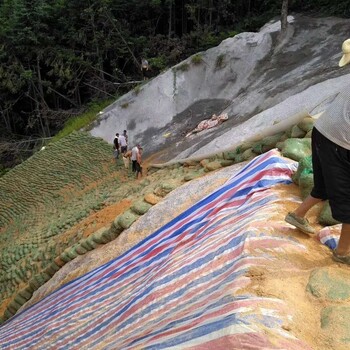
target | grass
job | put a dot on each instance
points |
(197, 59)
(182, 67)
(220, 61)
(83, 120)
(137, 89)
(3, 170)
(45, 196)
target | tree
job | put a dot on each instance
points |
(284, 19)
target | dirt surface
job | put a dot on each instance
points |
(286, 277)
(97, 220)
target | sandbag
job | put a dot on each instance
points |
(267, 143)
(248, 154)
(306, 124)
(297, 132)
(244, 146)
(304, 167)
(296, 149)
(306, 183)
(326, 218)
(140, 207)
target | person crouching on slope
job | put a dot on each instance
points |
(330, 144)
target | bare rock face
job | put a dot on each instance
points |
(249, 77)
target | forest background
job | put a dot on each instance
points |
(62, 61)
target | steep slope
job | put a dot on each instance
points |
(247, 76)
(44, 196)
(56, 236)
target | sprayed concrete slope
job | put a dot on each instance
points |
(247, 76)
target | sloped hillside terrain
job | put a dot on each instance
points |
(71, 216)
(250, 77)
(82, 247)
(42, 198)
(56, 205)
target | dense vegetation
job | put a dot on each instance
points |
(58, 56)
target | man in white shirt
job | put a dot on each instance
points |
(123, 144)
(331, 167)
(126, 136)
(134, 157)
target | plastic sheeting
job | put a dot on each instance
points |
(180, 288)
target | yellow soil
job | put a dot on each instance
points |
(97, 220)
(286, 278)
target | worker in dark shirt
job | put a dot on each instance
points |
(116, 146)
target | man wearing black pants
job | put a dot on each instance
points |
(134, 157)
(116, 146)
(331, 167)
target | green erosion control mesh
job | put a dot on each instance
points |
(44, 196)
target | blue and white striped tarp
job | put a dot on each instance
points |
(180, 288)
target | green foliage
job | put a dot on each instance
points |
(183, 67)
(83, 120)
(197, 59)
(159, 63)
(137, 89)
(228, 34)
(325, 7)
(3, 170)
(220, 61)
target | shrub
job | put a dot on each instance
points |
(220, 61)
(182, 67)
(158, 63)
(137, 89)
(81, 121)
(197, 59)
(3, 170)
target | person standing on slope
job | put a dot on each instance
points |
(116, 146)
(144, 68)
(331, 167)
(134, 157)
(123, 145)
(126, 137)
(138, 164)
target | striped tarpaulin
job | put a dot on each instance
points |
(327, 237)
(180, 288)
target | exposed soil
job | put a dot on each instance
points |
(97, 220)
(287, 276)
